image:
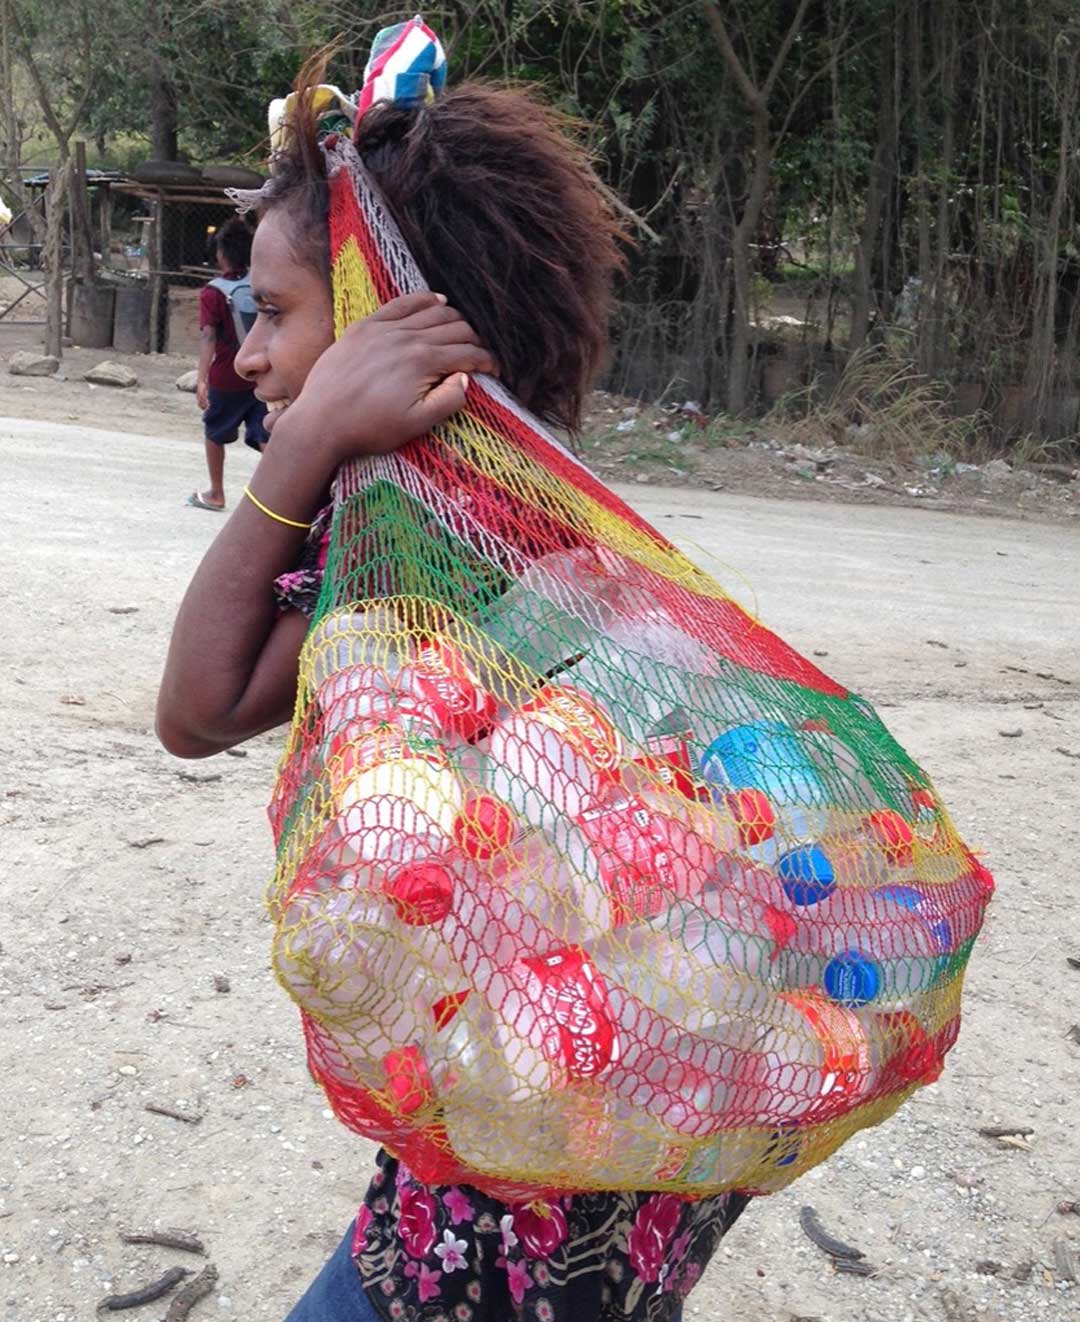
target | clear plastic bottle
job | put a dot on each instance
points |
(553, 758)
(395, 795)
(352, 660)
(357, 974)
(554, 612)
(813, 1061)
(649, 849)
(882, 945)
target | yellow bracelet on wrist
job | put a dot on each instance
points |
(278, 518)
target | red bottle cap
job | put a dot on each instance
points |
(407, 1079)
(894, 835)
(753, 814)
(484, 826)
(422, 893)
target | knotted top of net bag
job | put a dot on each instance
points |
(586, 880)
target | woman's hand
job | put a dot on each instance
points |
(390, 378)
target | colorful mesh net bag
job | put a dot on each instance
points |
(585, 879)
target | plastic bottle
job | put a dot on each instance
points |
(565, 895)
(902, 1052)
(555, 757)
(340, 959)
(449, 689)
(554, 612)
(395, 795)
(648, 672)
(881, 945)
(841, 772)
(665, 763)
(767, 756)
(479, 1051)
(748, 947)
(649, 849)
(652, 965)
(352, 660)
(813, 1061)
(694, 1082)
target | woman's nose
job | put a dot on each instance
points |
(250, 361)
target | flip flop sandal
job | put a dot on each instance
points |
(196, 502)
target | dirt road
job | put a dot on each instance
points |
(132, 879)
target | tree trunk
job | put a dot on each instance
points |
(11, 131)
(82, 238)
(56, 195)
(739, 364)
(881, 169)
(1042, 357)
(163, 116)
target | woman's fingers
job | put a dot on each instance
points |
(446, 332)
(449, 358)
(405, 305)
(441, 401)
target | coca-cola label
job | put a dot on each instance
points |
(579, 721)
(571, 996)
(667, 757)
(845, 1068)
(350, 757)
(452, 691)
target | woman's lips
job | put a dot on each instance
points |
(274, 409)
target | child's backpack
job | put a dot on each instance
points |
(241, 303)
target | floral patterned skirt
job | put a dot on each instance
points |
(454, 1254)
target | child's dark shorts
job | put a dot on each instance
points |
(228, 410)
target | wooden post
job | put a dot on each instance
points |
(156, 279)
(54, 257)
(82, 239)
(105, 221)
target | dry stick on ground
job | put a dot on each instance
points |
(148, 1293)
(188, 1117)
(1064, 1260)
(1006, 1131)
(835, 1248)
(190, 1295)
(183, 1240)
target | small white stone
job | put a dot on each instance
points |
(917, 1172)
(128, 1071)
(11, 1259)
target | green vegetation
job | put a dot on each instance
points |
(804, 181)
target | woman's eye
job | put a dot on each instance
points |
(268, 311)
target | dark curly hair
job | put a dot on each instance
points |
(233, 242)
(503, 213)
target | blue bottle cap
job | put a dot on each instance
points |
(924, 905)
(852, 979)
(806, 874)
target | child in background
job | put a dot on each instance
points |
(502, 213)
(228, 401)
